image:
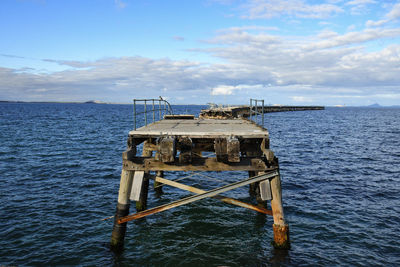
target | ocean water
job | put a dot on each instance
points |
(59, 176)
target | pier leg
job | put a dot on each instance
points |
(281, 229)
(158, 185)
(118, 233)
(253, 186)
(141, 205)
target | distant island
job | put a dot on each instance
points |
(94, 102)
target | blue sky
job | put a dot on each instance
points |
(295, 52)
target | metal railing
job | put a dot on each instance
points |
(254, 110)
(156, 106)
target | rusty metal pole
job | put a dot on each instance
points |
(280, 227)
(118, 233)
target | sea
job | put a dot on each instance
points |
(60, 167)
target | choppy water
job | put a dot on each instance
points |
(59, 175)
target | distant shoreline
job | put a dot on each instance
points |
(86, 102)
(111, 103)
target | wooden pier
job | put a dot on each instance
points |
(185, 143)
(247, 111)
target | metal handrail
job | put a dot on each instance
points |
(254, 109)
(163, 108)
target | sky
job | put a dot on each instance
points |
(291, 52)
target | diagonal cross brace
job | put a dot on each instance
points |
(190, 199)
(219, 197)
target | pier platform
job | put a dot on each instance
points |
(185, 143)
(246, 111)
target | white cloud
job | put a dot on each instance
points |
(360, 2)
(223, 90)
(359, 6)
(252, 64)
(394, 13)
(230, 90)
(267, 9)
(371, 23)
(251, 27)
(301, 99)
(354, 38)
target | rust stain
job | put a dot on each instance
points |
(281, 236)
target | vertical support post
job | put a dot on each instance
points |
(145, 113)
(154, 113)
(185, 145)
(141, 204)
(280, 227)
(251, 107)
(167, 149)
(118, 233)
(134, 114)
(159, 110)
(256, 112)
(158, 185)
(253, 186)
(262, 110)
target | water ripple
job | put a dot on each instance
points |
(59, 175)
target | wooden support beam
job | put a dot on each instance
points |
(158, 186)
(220, 148)
(198, 164)
(191, 199)
(167, 149)
(118, 233)
(269, 155)
(280, 227)
(141, 204)
(219, 197)
(185, 146)
(233, 149)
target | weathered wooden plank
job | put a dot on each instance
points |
(198, 164)
(136, 185)
(265, 190)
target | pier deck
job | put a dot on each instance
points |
(244, 111)
(201, 128)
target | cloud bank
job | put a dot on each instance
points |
(253, 61)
